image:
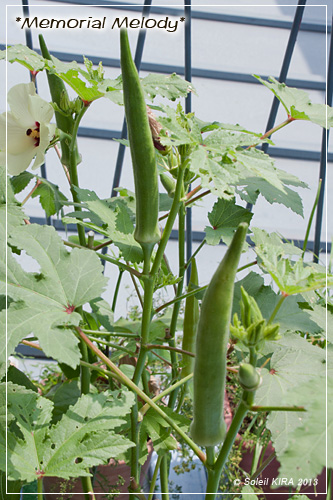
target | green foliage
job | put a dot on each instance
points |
(224, 219)
(170, 86)
(84, 436)
(112, 218)
(298, 104)
(45, 302)
(154, 426)
(291, 276)
(291, 317)
(50, 197)
(25, 56)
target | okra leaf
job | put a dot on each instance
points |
(50, 197)
(83, 437)
(250, 188)
(170, 86)
(304, 452)
(116, 222)
(215, 176)
(20, 182)
(289, 367)
(78, 79)
(298, 104)
(291, 276)
(224, 219)
(45, 301)
(154, 426)
(25, 56)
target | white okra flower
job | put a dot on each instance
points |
(29, 130)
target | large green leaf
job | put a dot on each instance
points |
(290, 367)
(298, 104)
(304, 452)
(111, 218)
(45, 302)
(25, 56)
(224, 219)
(291, 276)
(50, 197)
(83, 438)
(170, 86)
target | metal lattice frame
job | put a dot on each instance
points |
(188, 71)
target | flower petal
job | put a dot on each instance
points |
(18, 98)
(18, 163)
(17, 139)
(41, 110)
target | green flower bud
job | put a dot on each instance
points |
(248, 377)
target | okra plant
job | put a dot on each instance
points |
(268, 329)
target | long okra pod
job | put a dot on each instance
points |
(208, 426)
(142, 152)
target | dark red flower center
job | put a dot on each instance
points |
(34, 133)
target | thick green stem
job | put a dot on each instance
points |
(40, 488)
(145, 324)
(164, 477)
(176, 307)
(213, 482)
(85, 372)
(170, 222)
(87, 488)
(73, 171)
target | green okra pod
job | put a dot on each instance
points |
(142, 151)
(191, 318)
(208, 426)
(59, 96)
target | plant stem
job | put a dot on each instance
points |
(101, 370)
(115, 333)
(247, 266)
(40, 488)
(277, 307)
(111, 344)
(116, 291)
(195, 253)
(73, 171)
(196, 290)
(311, 219)
(137, 290)
(170, 348)
(85, 374)
(131, 385)
(170, 222)
(277, 408)
(153, 479)
(182, 297)
(38, 182)
(210, 452)
(167, 391)
(329, 484)
(121, 265)
(263, 466)
(164, 477)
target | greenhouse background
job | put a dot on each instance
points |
(225, 45)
